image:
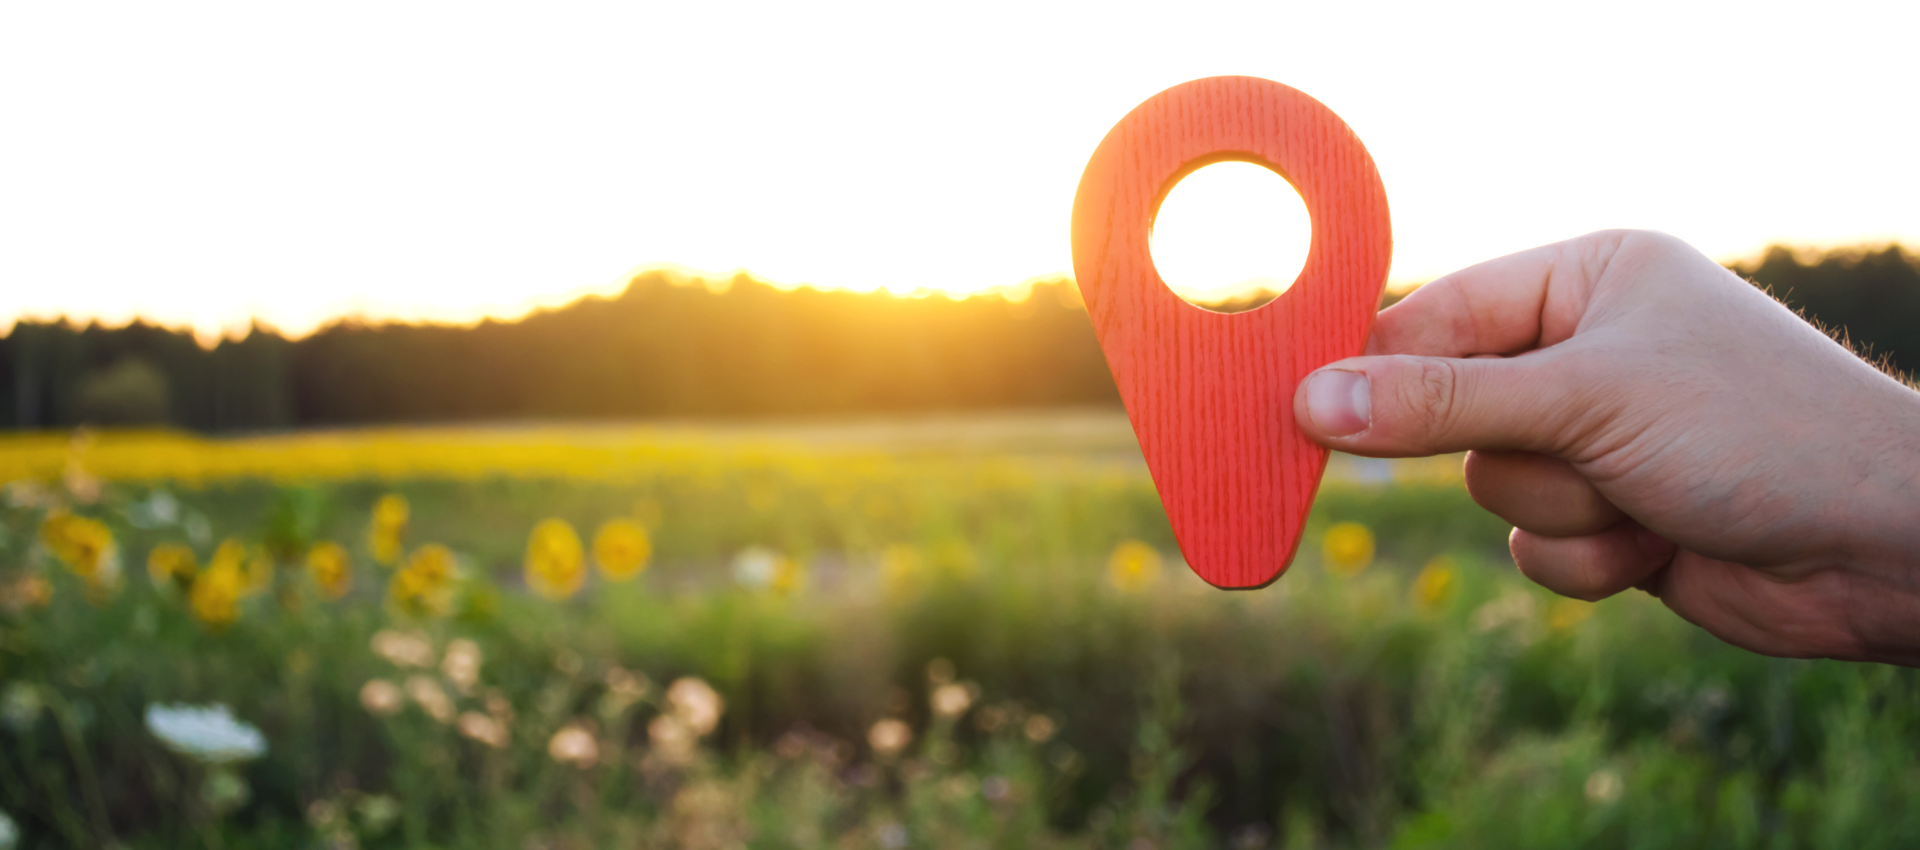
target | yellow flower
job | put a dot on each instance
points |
(424, 587)
(954, 559)
(1434, 585)
(85, 546)
(1564, 614)
(1348, 549)
(1133, 566)
(621, 549)
(215, 595)
(788, 575)
(172, 564)
(331, 569)
(389, 530)
(555, 566)
(899, 565)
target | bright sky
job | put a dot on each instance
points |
(201, 164)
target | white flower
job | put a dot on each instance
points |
(951, 700)
(889, 736)
(402, 649)
(381, 697)
(9, 832)
(573, 744)
(484, 729)
(695, 703)
(432, 699)
(754, 567)
(20, 706)
(462, 665)
(209, 734)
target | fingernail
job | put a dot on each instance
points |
(1339, 402)
(1657, 547)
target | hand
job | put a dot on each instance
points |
(1644, 418)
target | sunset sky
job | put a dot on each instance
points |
(202, 165)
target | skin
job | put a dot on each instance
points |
(1644, 418)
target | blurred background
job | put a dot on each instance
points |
(675, 425)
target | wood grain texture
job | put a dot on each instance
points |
(1210, 394)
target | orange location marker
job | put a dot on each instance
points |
(1210, 394)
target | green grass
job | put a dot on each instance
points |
(1320, 712)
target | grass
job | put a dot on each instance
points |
(948, 578)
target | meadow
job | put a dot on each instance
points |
(923, 632)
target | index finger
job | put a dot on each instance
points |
(1507, 305)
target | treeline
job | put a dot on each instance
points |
(667, 346)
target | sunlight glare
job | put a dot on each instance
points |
(1232, 235)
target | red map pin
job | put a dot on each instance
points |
(1210, 394)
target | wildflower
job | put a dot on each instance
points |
(899, 564)
(86, 547)
(555, 566)
(215, 595)
(389, 530)
(1348, 549)
(380, 697)
(671, 739)
(9, 832)
(696, 703)
(1564, 614)
(621, 549)
(482, 728)
(574, 745)
(28, 591)
(1038, 728)
(1133, 566)
(20, 706)
(331, 569)
(623, 690)
(208, 734)
(462, 665)
(424, 587)
(402, 649)
(951, 700)
(1604, 786)
(788, 576)
(889, 736)
(82, 485)
(1434, 584)
(433, 700)
(172, 565)
(755, 566)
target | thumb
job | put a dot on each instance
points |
(1406, 406)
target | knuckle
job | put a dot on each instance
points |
(1429, 396)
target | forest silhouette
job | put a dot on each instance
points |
(671, 346)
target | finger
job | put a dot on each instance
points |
(1816, 616)
(1402, 406)
(1593, 566)
(1537, 493)
(1502, 306)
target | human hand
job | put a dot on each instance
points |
(1645, 418)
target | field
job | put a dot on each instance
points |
(957, 632)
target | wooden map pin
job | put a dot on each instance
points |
(1210, 394)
